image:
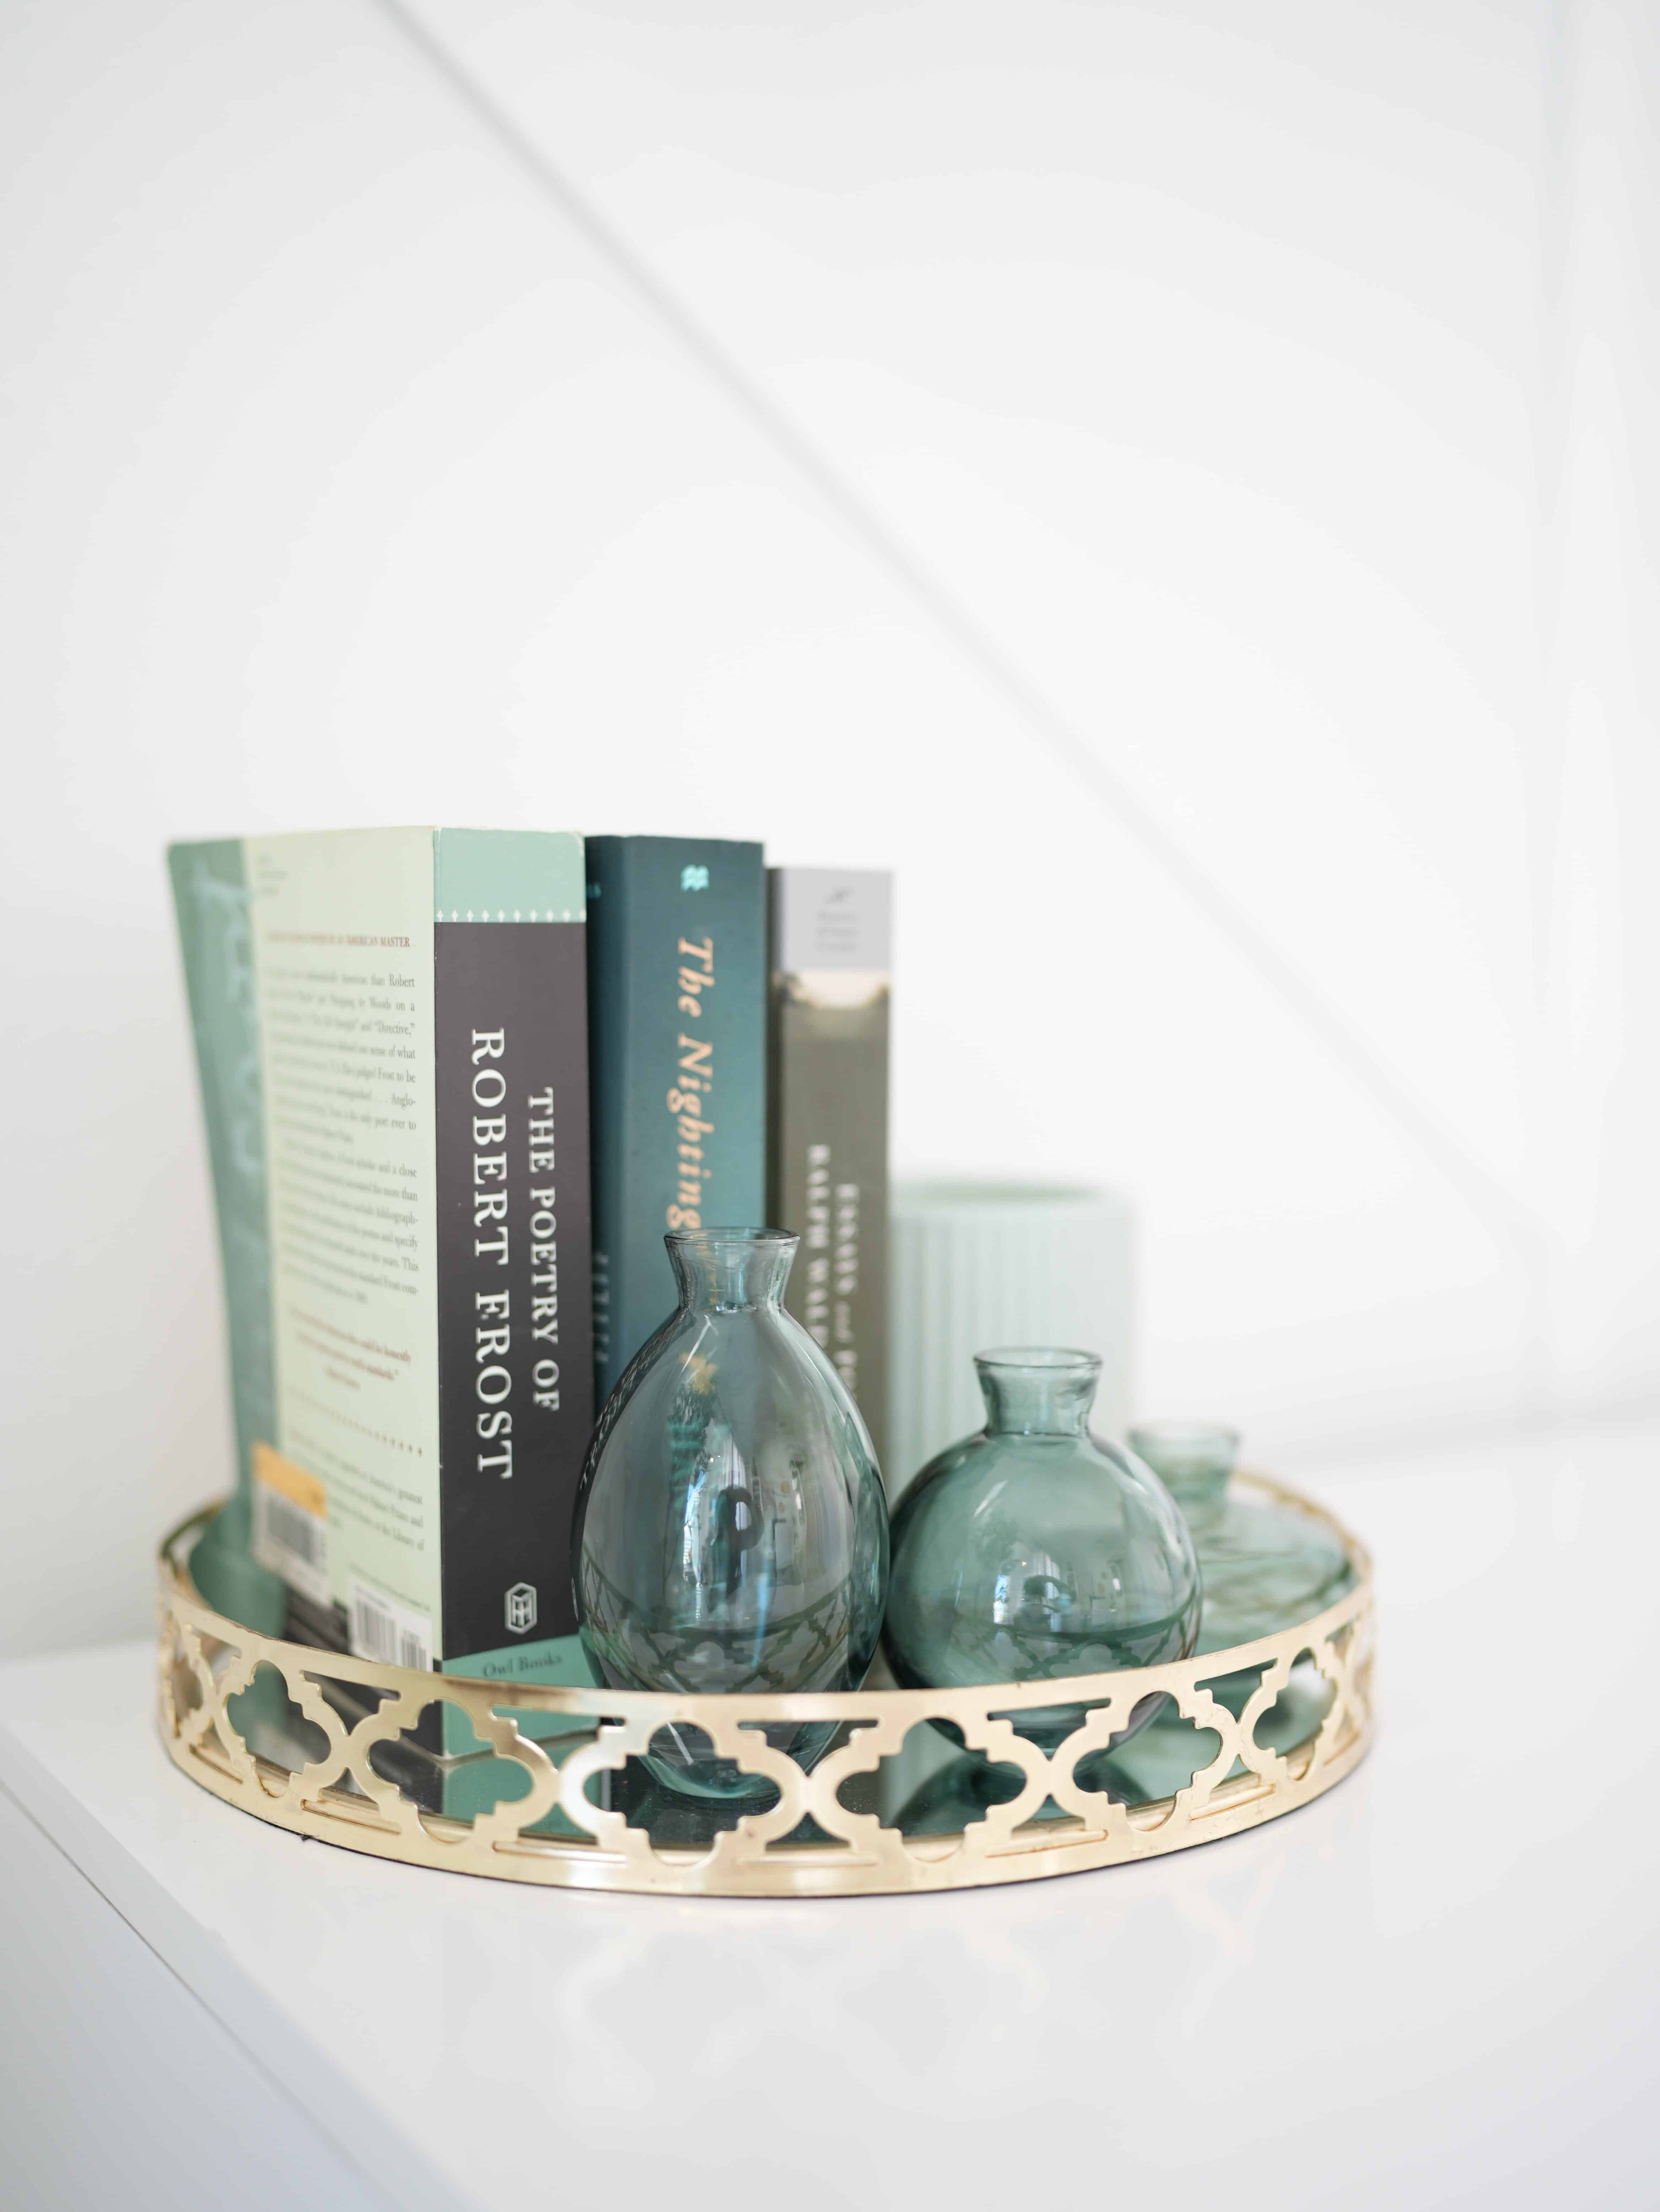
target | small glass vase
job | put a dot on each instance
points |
(730, 1531)
(1035, 1550)
(1265, 1567)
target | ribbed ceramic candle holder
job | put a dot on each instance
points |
(975, 1264)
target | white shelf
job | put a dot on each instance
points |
(1436, 1985)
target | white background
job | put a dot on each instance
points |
(1175, 482)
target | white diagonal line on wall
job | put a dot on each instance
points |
(1506, 1216)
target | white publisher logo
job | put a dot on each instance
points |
(522, 1608)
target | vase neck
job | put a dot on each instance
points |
(1193, 1459)
(728, 1270)
(1037, 1392)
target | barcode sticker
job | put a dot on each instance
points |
(291, 1524)
(383, 1630)
(291, 1530)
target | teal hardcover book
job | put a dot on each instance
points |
(677, 1065)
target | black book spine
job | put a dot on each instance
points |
(514, 1323)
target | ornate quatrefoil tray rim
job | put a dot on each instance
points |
(206, 1659)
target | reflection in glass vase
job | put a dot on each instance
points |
(730, 1530)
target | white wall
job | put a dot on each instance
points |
(1175, 482)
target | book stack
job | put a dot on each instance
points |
(458, 1084)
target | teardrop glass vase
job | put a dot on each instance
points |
(731, 1530)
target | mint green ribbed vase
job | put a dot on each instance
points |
(980, 1263)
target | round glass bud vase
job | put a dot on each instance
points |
(730, 1530)
(1035, 1550)
(1264, 1566)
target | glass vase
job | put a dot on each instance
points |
(1035, 1550)
(731, 1530)
(1264, 1566)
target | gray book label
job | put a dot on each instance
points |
(831, 918)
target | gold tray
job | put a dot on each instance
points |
(354, 1779)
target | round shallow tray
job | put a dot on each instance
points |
(920, 1789)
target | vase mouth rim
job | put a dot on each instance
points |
(736, 1233)
(1187, 1435)
(992, 1191)
(1040, 1359)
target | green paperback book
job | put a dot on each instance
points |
(392, 1035)
(827, 1168)
(677, 1015)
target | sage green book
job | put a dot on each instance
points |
(392, 1035)
(831, 935)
